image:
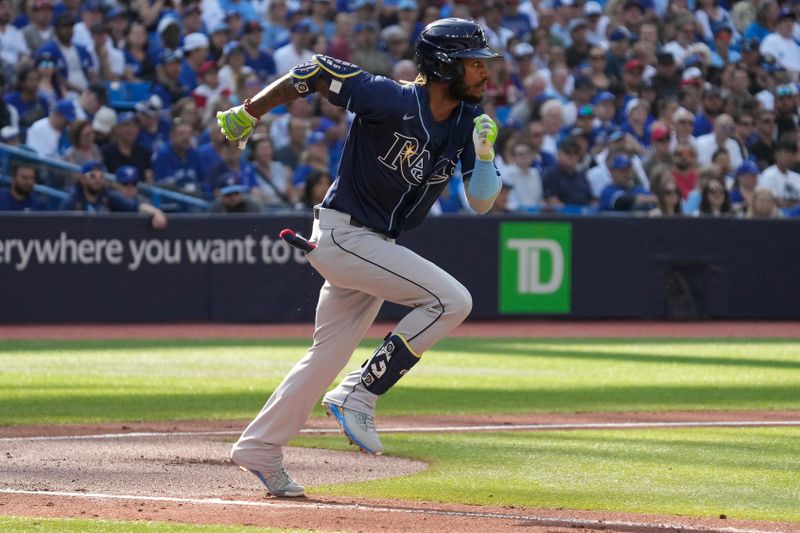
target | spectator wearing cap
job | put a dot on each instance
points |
(234, 69)
(233, 196)
(667, 78)
(47, 135)
(9, 135)
(233, 163)
(637, 122)
(139, 65)
(39, 30)
(786, 119)
(20, 195)
(619, 44)
(721, 53)
(583, 91)
(604, 104)
(721, 137)
(168, 33)
(168, 85)
(559, 29)
(209, 88)
(366, 52)
(24, 106)
(781, 45)
(13, 48)
(579, 48)
(622, 194)
(73, 62)
(632, 15)
(123, 149)
(49, 83)
(564, 184)
(315, 156)
(779, 178)
(153, 127)
(597, 24)
(744, 185)
(176, 164)
(195, 53)
(191, 18)
(235, 22)
(661, 137)
(102, 124)
(524, 178)
(296, 51)
(116, 21)
(83, 147)
(711, 106)
(616, 141)
(408, 19)
(255, 56)
(92, 194)
(127, 182)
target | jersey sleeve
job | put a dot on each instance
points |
(349, 86)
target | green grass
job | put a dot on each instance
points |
(66, 525)
(96, 381)
(742, 473)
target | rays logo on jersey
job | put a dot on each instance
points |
(405, 156)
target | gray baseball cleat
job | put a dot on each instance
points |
(359, 427)
(278, 483)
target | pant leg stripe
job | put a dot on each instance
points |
(441, 305)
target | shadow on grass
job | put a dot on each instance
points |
(61, 406)
(599, 355)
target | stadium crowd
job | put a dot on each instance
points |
(658, 107)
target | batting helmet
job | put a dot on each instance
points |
(442, 43)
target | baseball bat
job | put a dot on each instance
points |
(297, 240)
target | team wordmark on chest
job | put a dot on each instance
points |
(405, 156)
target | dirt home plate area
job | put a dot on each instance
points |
(179, 471)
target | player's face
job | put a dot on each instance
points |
(472, 86)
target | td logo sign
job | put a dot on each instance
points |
(535, 267)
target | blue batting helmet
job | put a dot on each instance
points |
(444, 42)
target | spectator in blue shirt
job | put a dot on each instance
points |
(29, 104)
(195, 52)
(168, 86)
(74, 73)
(176, 164)
(622, 194)
(20, 196)
(93, 195)
(256, 57)
(564, 183)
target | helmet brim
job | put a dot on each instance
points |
(476, 53)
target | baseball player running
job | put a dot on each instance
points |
(402, 149)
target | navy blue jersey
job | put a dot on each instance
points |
(397, 158)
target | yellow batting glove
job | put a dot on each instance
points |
(483, 137)
(236, 123)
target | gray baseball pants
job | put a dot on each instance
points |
(361, 268)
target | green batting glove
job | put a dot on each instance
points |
(483, 137)
(236, 123)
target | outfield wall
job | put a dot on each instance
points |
(114, 268)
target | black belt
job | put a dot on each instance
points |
(353, 222)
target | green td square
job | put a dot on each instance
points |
(535, 267)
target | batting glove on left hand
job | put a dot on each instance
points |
(236, 123)
(483, 137)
